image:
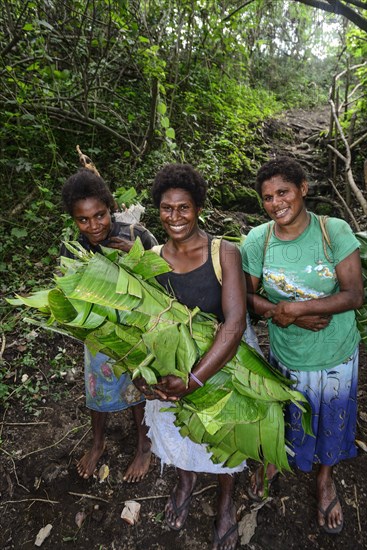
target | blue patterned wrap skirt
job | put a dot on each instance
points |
(332, 394)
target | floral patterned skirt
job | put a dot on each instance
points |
(104, 392)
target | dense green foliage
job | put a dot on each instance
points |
(137, 84)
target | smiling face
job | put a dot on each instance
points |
(179, 214)
(283, 200)
(93, 219)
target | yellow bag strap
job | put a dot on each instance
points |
(215, 250)
(325, 236)
(157, 249)
(269, 231)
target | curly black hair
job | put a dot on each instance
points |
(84, 185)
(179, 176)
(289, 169)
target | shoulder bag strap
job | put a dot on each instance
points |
(157, 249)
(325, 236)
(215, 250)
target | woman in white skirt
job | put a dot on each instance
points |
(179, 192)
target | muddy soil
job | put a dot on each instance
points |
(39, 484)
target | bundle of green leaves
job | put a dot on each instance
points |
(113, 303)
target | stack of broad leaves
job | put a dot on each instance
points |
(113, 303)
(362, 312)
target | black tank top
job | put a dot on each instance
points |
(197, 288)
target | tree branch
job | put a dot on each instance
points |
(347, 161)
(330, 6)
(358, 141)
(79, 117)
(244, 5)
(334, 6)
(356, 224)
(358, 4)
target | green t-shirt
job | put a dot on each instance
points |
(299, 270)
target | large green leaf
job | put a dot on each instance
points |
(61, 308)
(186, 351)
(151, 265)
(272, 437)
(37, 300)
(98, 284)
(133, 258)
(134, 318)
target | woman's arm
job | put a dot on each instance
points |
(230, 332)
(350, 296)
(256, 303)
(261, 306)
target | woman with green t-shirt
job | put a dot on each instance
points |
(312, 282)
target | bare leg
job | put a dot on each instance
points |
(139, 467)
(87, 464)
(225, 530)
(177, 507)
(326, 493)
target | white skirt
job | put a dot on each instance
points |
(169, 445)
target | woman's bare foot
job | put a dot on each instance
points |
(139, 467)
(329, 514)
(87, 464)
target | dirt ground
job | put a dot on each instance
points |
(39, 484)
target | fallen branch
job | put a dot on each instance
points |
(352, 68)
(357, 508)
(54, 444)
(194, 494)
(83, 495)
(15, 470)
(151, 497)
(22, 423)
(30, 500)
(80, 440)
(282, 501)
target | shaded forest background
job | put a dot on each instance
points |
(138, 84)
(224, 85)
